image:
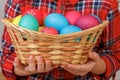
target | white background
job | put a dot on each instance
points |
(2, 2)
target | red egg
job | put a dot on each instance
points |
(72, 17)
(87, 21)
(45, 14)
(49, 30)
(36, 13)
(44, 11)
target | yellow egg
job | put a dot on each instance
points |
(16, 20)
(40, 27)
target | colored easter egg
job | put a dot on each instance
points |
(16, 20)
(49, 30)
(87, 21)
(97, 17)
(45, 14)
(72, 17)
(56, 20)
(41, 27)
(69, 29)
(36, 13)
(29, 22)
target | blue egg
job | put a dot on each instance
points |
(56, 20)
(69, 29)
(97, 17)
(29, 22)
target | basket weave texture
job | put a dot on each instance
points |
(60, 49)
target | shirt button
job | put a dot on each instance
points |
(61, 7)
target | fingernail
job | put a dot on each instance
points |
(63, 66)
(31, 57)
(38, 57)
(26, 68)
(69, 65)
(14, 64)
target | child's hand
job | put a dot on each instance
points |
(32, 67)
(95, 64)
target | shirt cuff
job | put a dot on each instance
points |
(7, 66)
(110, 66)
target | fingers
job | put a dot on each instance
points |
(43, 66)
(94, 56)
(71, 67)
(32, 64)
(31, 67)
(48, 66)
(80, 69)
(83, 69)
(40, 64)
(16, 62)
(74, 69)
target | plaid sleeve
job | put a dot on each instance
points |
(111, 52)
(8, 56)
(112, 65)
(11, 10)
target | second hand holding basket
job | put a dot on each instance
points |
(60, 49)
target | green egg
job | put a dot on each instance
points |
(29, 22)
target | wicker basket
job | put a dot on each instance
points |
(61, 49)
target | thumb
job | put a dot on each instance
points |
(94, 56)
(17, 63)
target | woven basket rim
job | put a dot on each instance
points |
(6, 20)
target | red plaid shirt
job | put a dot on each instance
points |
(108, 46)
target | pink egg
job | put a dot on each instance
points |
(72, 16)
(49, 30)
(87, 21)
